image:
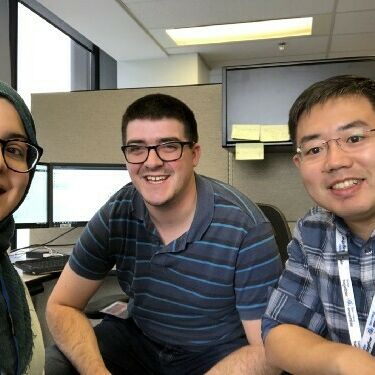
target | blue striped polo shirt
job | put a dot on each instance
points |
(193, 292)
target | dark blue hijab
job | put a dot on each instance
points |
(16, 338)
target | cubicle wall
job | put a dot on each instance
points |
(85, 127)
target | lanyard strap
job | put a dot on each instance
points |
(366, 341)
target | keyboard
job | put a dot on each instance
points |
(42, 266)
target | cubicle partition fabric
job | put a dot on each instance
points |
(86, 127)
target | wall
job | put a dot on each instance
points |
(174, 70)
(274, 180)
(107, 71)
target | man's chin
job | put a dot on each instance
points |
(156, 202)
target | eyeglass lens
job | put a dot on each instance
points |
(166, 152)
(20, 156)
(350, 141)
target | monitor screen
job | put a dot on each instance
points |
(79, 190)
(263, 94)
(33, 212)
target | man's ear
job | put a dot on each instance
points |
(196, 150)
(297, 161)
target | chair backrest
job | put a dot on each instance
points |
(280, 228)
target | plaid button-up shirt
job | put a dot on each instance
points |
(309, 292)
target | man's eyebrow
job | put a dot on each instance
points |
(354, 124)
(309, 137)
(350, 125)
(169, 139)
(161, 140)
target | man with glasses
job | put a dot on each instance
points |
(194, 255)
(321, 318)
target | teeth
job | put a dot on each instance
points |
(155, 178)
(345, 184)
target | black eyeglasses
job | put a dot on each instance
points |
(168, 151)
(20, 156)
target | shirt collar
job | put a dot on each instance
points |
(202, 218)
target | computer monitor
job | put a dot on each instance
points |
(33, 212)
(263, 93)
(79, 190)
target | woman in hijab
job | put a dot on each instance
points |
(21, 343)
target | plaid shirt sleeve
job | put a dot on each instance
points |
(295, 300)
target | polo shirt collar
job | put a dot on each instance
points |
(202, 218)
(204, 211)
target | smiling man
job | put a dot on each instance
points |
(320, 319)
(194, 255)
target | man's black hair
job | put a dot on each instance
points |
(320, 92)
(157, 107)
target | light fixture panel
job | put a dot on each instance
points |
(239, 32)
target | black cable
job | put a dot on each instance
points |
(54, 239)
(35, 246)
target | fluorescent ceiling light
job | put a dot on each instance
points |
(238, 32)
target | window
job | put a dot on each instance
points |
(48, 59)
(43, 56)
(51, 57)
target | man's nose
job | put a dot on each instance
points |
(336, 157)
(153, 158)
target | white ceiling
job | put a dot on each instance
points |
(135, 29)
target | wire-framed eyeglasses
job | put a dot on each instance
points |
(351, 141)
(20, 156)
(167, 151)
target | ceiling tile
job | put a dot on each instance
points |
(354, 42)
(355, 22)
(351, 5)
(108, 25)
(180, 13)
(257, 49)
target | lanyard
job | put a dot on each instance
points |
(365, 342)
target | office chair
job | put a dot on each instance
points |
(280, 228)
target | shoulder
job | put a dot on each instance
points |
(316, 228)
(123, 199)
(317, 217)
(127, 192)
(228, 198)
(119, 205)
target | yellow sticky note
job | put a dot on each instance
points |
(249, 151)
(276, 133)
(249, 132)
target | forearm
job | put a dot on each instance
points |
(300, 351)
(75, 337)
(249, 360)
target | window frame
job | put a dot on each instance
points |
(55, 21)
